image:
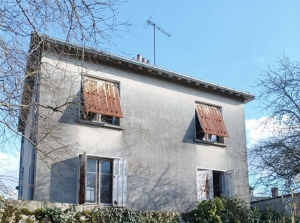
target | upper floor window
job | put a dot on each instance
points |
(209, 124)
(101, 101)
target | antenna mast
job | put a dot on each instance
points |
(155, 26)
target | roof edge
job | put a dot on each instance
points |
(153, 69)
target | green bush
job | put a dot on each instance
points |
(71, 215)
(219, 210)
(233, 210)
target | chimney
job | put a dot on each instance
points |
(139, 57)
(274, 191)
(144, 60)
(148, 61)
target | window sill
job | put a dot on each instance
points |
(98, 205)
(211, 143)
(100, 124)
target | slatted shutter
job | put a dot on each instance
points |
(82, 178)
(211, 120)
(101, 97)
(205, 189)
(228, 184)
(120, 183)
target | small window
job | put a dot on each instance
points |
(102, 181)
(209, 124)
(211, 184)
(100, 101)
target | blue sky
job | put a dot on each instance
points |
(225, 42)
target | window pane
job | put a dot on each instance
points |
(106, 166)
(91, 165)
(106, 188)
(213, 138)
(90, 187)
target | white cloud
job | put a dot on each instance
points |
(9, 172)
(257, 130)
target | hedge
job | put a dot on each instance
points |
(219, 210)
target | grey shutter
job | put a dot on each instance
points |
(228, 183)
(82, 180)
(204, 185)
(120, 183)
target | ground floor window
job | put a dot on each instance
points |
(102, 180)
(99, 181)
(211, 184)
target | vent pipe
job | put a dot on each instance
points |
(139, 57)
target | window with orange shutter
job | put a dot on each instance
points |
(101, 101)
(210, 125)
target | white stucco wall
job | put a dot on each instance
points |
(157, 140)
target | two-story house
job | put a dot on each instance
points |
(103, 129)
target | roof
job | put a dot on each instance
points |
(151, 69)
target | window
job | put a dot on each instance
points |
(211, 184)
(102, 181)
(101, 101)
(99, 172)
(30, 183)
(209, 124)
(20, 187)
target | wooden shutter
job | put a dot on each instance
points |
(101, 97)
(228, 183)
(211, 120)
(90, 94)
(205, 189)
(120, 183)
(82, 178)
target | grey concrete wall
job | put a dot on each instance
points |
(27, 159)
(287, 204)
(26, 153)
(157, 140)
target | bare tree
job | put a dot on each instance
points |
(87, 22)
(275, 161)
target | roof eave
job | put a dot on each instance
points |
(247, 97)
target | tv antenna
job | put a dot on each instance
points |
(155, 26)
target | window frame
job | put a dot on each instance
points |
(98, 181)
(220, 140)
(226, 185)
(118, 180)
(97, 121)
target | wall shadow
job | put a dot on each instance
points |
(72, 111)
(163, 194)
(189, 135)
(63, 183)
